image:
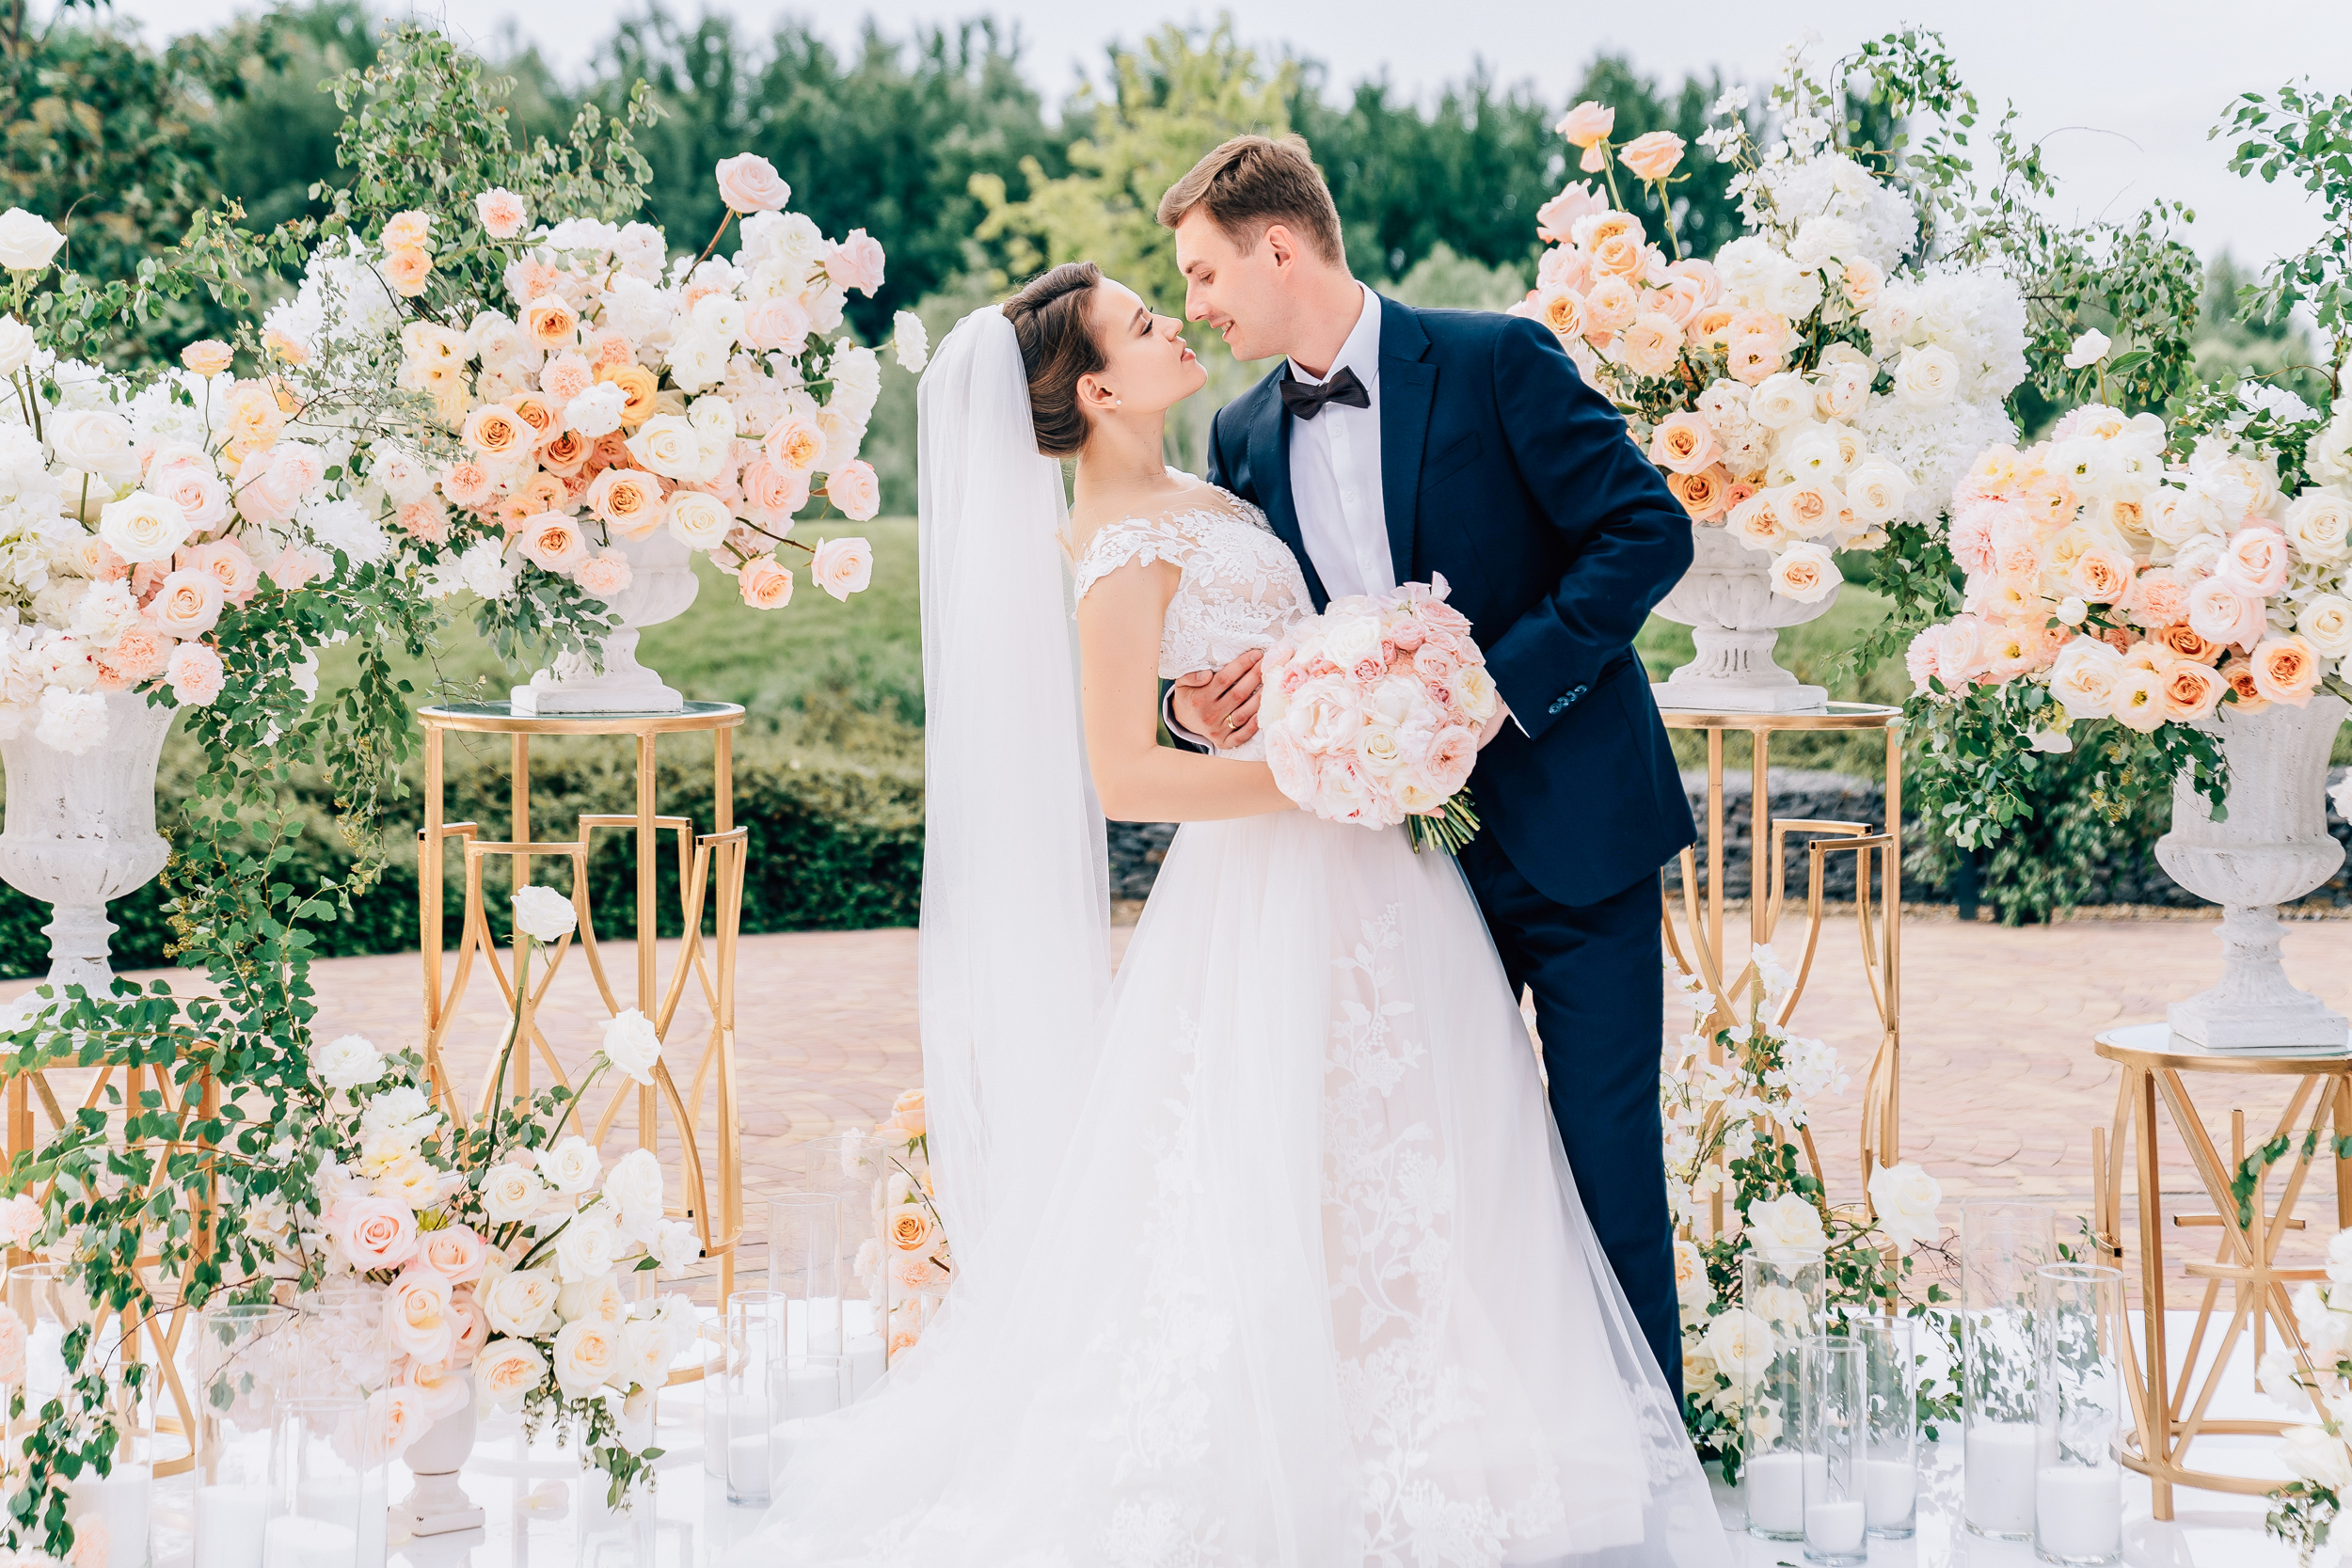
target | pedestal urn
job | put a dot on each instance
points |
(662, 587)
(81, 832)
(1726, 599)
(2272, 847)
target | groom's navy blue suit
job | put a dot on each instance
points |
(1503, 470)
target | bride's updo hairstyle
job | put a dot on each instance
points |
(1049, 317)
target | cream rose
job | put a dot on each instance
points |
(455, 1252)
(521, 1302)
(506, 1370)
(634, 1183)
(2255, 561)
(1788, 1229)
(2320, 522)
(188, 605)
(572, 1167)
(375, 1233)
(510, 1193)
(1925, 377)
(1740, 1343)
(415, 1315)
(2317, 1456)
(588, 1247)
(1781, 400)
(2084, 678)
(1805, 572)
(748, 184)
(2220, 613)
(587, 1354)
(699, 519)
(764, 584)
(1904, 1198)
(1692, 1287)
(1684, 443)
(2326, 622)
(842, 566)
(142, 526)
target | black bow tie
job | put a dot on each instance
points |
(1307, 402)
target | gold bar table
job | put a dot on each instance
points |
(1698, 947)
(2170, 1414)
(710, 869)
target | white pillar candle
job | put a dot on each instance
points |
(1775, 1488)
(2078, 1511)
(824, 1325)
(714, 1425)
(229, 1522)
(120, 1501)
(751, 1465)
(1834, 1528)
(292, 1541)
(812, 1392)
(1890, 1487)
(1998, 1476)
(866, 1363)
(44, 1362)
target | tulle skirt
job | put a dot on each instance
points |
(1313, 1287)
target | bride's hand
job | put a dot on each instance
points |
(1220, 705)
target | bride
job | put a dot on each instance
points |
(1268, 1253)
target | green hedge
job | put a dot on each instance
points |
(835, 842)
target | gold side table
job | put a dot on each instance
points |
(2169, 1413)
(710, 867)
(1699, 947)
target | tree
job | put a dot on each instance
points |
(276, 137)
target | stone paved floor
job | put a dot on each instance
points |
(2000, 1087)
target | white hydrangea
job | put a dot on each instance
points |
(1932, 445)
(2330, 455)
(71, 721)
(345, 525)
(1790, 191)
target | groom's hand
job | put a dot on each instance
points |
(1220, 705)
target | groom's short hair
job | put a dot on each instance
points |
(1252, 183)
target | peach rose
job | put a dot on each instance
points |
(201, 495)
(604, 574)
(553, 543)
(2287, 669)
(1555, 220)
(2189, 689)
(2239, 673)
(502, 211)
(842, 566)
(1651, 345)
(908, 1227)
(1805, 572)
(195, 674)
(250, 416)
(506, 1370)
(1712, 326)
(283, 347)
(495, 430)
(748, 184)
(776, 325)
(1608, 306)
(628, 499)
(407, 228)
(207, 356)
(1751, 362)
(764, 584)
(537, 412)
(2102, 574)
(641, 387)
(1684, 443)
(2220, 612)
(566, 453)
(773, 491)
(471, 1328)
(407, 268)
(1652, 157)
(795, 444)
(854, 489)
(1587, 123)
(455, 1252)
(2182, 640)
(1563, 310)
(375, 1233)
(189, 604)
(1620, 256)
(551, 321)
(1705, 494)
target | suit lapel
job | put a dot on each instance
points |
(1270, 474)
(1409, 386)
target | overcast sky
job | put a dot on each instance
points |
(2124, 93)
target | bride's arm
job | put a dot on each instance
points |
(1138, 779)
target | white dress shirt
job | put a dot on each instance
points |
(1335, 473)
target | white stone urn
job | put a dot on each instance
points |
(439, 1505)
(2273, 847)
(661, 585)
(80, 831)
(1726, 599)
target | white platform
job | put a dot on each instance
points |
(536, 1518)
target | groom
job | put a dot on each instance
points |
(1395, 445)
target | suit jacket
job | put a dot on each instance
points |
(1508, 475)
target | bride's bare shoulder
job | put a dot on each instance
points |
(1145, 505)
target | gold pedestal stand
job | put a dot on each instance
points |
(2169, 1413)
(1699, 947)
(711, 880)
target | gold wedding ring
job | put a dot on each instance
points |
(1234, 722)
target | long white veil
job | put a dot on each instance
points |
(1016, 902)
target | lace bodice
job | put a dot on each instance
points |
(1241, 584)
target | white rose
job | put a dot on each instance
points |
(588, 1247)
(347, 1061)
(143, 527)
(1786, 1229)
(572, 1165)
(544, 913)
(71, 721)
(2340, 1245)
(586, 1353)
(1876, 490)
(2320, 522)
(644, 1359)
(2326, 622)
(631, 1045)
(670, 446)
(699, 519)
(676, 1245)
(2313, 1453)
(634, 1183)
(1925, 377)
(600, 1298)
(16, 345)
(1905, 1197)
(721, 316)
(2089, 349)
(2085, 677)
(510, 1193)
(522, 1302)
(1781, 400)
(713, 415)
(1741, 1343)
(909, 341)
(26, 242)
(597, 411)
(507, 1369)
(1476, 690)
(698, 359)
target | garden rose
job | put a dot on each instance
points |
(195, 674)
(519, 1302)
(748, 184)
(2139, 698)
(629, 499)
(699, 519)
(1652, 156)
(2189, 689)
(854, 489)
(407, 269)
(376, 1233)
(2084, 678)
(207, 356)
(551, 321)
(631, 1046)
(842, 566)
(1805, 572)
(587, 1354)
(1587, 123)
(2287, 669)
(189, 604)
(764, 584)
(495, 430)
(503, 212)
(553, 543)
(2222, 613)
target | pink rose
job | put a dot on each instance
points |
(471, 1330)
(503, 212)
(375, 1232)
(856, 263)
(748, 184)
(764, 584)
(773, 491)
(1702, 273)
(2287, 669)
(842, 566)
(1652, 157)
(2219, 612)
(195, 674)
(1684, 443)
(603, 574)
(396, 1416)
(854, 489)
(1587, 123)
(2255, 561)
(189, 604)
(1920, 656)
(1555, 220)
(11, 1348)
(780, 324)
(1564, 266)
(455, 1252)
(1961, 655)
(225, 560)
(207, 358)
(1452, 751)
(19, 1222)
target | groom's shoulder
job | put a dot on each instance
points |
(1463, 331)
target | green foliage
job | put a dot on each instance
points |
(1444, 280)
(2307, 137)
(276, 139)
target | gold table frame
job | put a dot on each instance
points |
(705, 861)
(1702, 953)
(2164, 1421)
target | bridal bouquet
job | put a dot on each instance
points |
(1805, 389)
(1372, 711)
(2319, 1385)
(499, 1245)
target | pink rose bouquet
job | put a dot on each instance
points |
(1372, 713)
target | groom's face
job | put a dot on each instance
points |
(1241, 295)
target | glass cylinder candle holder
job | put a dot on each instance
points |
(1780, 1307)
(804, 1265)
(51, 1305)
(317, 1483)
(340, 1350)
(1835, 1429)
(814, 1385)
(711, 1340)
(2078, 1404)
(757, 1335)
(2003, 1245)
(1891, 1449)
(854, 1166)
(242, 1359)
(121, 1502)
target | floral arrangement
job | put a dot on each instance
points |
(909, 1266)
(498, 1244)
(1735, 1099)
(1372, 713)
(2319, 1452)
(1803, 390)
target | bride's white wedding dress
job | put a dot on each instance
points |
(1311, 1286)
